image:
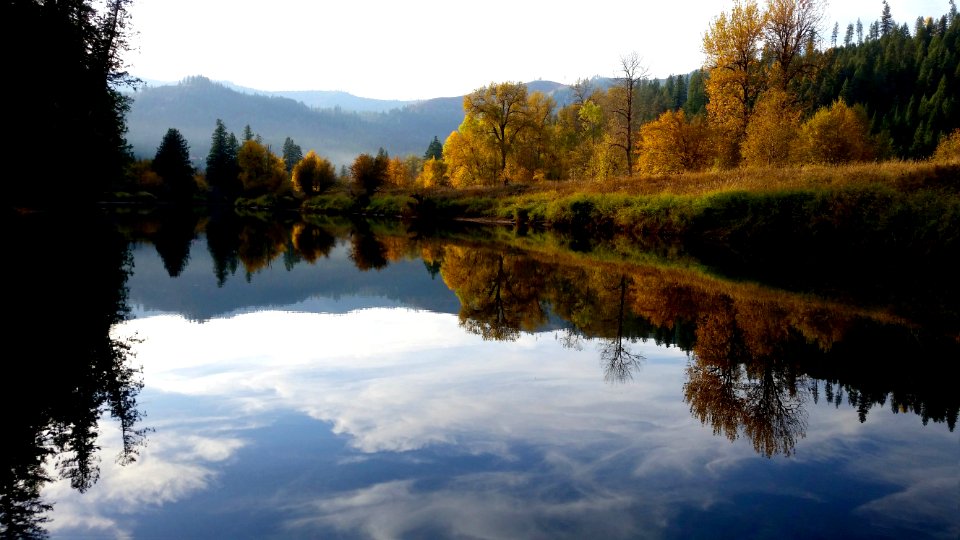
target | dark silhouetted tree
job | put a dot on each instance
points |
(222, 168)
(292, 154)
(434, 150)
(172, 163)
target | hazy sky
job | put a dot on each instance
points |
(431, 48)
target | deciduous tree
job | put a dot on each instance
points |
(501, 113)
(261, 171)
(838, 134)
(732, 47)
(773, 130)
(313, 174)
(791, 27)
(623, 105)
(671, 144)
(369, 172)
(470, 160)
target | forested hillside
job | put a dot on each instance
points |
(194, 105)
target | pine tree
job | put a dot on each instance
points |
(247, 133)
(833, 36)
(292, 154)
(222, 168)
(886, 20)
(434, 149)
(172, 163)
(848, 37)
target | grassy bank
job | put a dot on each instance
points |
(917, 203)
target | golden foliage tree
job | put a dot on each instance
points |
(838, 134)
(401, 172)
(535, 155)
(772, 131)
(949, 148)
(501, 111)
(261, 171)
(671, 144)
(470, 160)
(732, 46)
(499, 294)
(578, 129)
(791, 31)
(313, 174)
(434, 173)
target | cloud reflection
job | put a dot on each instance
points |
(613, 460)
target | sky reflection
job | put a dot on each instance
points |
(392, 422)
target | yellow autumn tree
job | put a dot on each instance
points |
(534, 157)
(470, 160)
(401, 172)
(772, 131)
(949, 148)
(671, 144)
(501, 112)
(434, 173)
(732, 45)
(791, 30)
(261, 171)
(837, 134)
(313, 174)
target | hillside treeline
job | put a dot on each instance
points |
(768, 95)
(771, 93)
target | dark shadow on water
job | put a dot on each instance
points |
(63, 371)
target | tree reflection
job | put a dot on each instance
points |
(767, 409)
(619, 364)
(500, 294)
(366, 251)
(172, 238)
(67, 371)
(755, 353)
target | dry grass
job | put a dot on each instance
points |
(901, 175)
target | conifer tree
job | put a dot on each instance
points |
(222, 167)
(434, 149)
(292, 154)
(172, 163)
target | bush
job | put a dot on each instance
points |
(949, 148)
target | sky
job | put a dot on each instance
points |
(422, 49)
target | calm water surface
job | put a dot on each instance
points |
(336, 383)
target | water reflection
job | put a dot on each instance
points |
(65, 371)
(756, 353)
(757, 359)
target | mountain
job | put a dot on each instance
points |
(336, 132)
(194, 105)
(328, 99)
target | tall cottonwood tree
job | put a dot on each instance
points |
(261, 171)
(623, 110)
(732, 46)
(501, 111)
(792, 28)
(313, 174)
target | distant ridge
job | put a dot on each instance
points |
(350, 125)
